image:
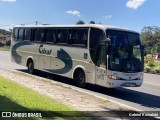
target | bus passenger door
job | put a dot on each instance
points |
(101, 64)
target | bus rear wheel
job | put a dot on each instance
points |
(30, 67)
(80, 78)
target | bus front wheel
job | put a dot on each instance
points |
(30, 67)
(80, 78)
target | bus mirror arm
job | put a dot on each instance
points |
(108, 41)
(108, 50)
(108, 46)
(144, 52)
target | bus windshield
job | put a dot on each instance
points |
(126, 51)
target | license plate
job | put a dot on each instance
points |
(128, 84)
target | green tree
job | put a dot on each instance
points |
(92, 22)
(8, 43)
(150, 36)
(80, 22)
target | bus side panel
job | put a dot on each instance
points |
(44, 56)
(21, 51)
(65, 59)
(90, 73)
(61, 61)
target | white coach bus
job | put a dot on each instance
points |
(104, 55)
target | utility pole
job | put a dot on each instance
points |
(36, 22)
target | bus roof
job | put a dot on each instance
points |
(100, 26)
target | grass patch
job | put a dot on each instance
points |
(152, 66)
(103, 101)
(5, 48)
(14, 97)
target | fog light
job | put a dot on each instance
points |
(141, 77)
(113, 77)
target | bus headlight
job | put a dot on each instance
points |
(113, 77)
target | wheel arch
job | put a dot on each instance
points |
(76, 69)
(30, 58)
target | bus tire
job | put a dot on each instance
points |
(80, 78)
(30, 66)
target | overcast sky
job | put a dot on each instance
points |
(132, 14)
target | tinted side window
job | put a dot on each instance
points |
(27, 34)
(35, 34)
(39, 35)
(62, 36)
(20, 35)
(49, 35)
(79, 37)
(15, 34)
